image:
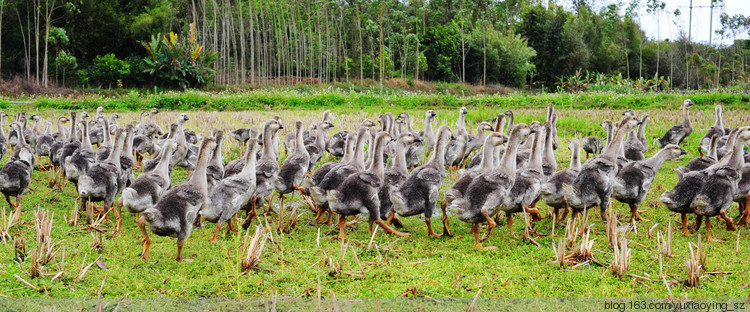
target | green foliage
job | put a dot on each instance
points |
(179, 62)
(108, 70)
(58, 36)
(441, 46)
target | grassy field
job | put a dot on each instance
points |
(310, 258)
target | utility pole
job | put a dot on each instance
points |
(711, 24)
(690, 22)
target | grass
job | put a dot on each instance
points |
(301, 263)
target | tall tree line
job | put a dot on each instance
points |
(284, 42)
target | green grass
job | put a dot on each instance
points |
(294, 264)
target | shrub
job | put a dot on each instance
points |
(107, 70)
(179, 62)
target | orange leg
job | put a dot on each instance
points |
(216, 232)
(446, 230)
(146, 241)
(728, 220)
(342, 227)
(179, 249)
(430, 232)
(684, 224)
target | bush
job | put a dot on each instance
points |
(179, 62)
(108, 70)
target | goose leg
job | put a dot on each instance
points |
(342, 227)
(635, 215)
(533, 210)
(728, 220)
(281, 210)
(146, 241)
(475, 231)
(446, 230)
(708, 228)
(684, 224)
(216, 232)
(745, 212)
(370, 223)
(430, 232)
(251, 214)
(118, 215)
(389, 229)
(330, 216)
(509, 220)
(564, 212)
(180, 242)
(700, 150)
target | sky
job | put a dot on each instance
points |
(669, 26)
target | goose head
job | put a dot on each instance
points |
(674, 152)
(367, 123)
(495, 139)
(485, 126)
(182, 118)
(687, 103)
(430, 115)
(521, 132)
(327, 115)
(574, 144)
(154, 111)
(99, 111)
(63, 119)
(84, 115)
(607, 125)
(325, 125)
(629, 112)
(115, 117)
(407, 138)
(3, 114)
(444, 134)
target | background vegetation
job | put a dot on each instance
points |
(516, 43)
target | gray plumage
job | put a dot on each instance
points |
(679, 132)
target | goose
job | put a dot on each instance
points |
(359, 192)
(702, 162)
(15, 175)
(634, 147)
(523, 154)
(106, 147)
(455, 149)
(485, 193)
(290, 137)
(326, 181)
(419, 193)
(459, 188)
(552, 189)
(96, 132)
(266, 170)
(215, 169)
(549, 163)
(593, 185)
(526, 189)
(114, 123)
(62, 132)
(293, 168)
(633, 181)
(726, 149)
(3, 140)
(395, 175)
(44, 143)
(716, 129)
(475, 141)
(192, 138)
(150, 164)
(69, 147)
(415, 151)
(339, 140)
(742, 196)
(317, 148)
(150, 128)
(127, 162)
(146, 190)
(552, 119)
(143, 144)
(176, 211)
(13, 134)
(720, 186)
(477, 159)
(428, 135)
(35, 132)
(314, 179)
(232, 193)
(592, 145)
(100, 181)
(180, 153)
(235, 166)
(81, 160)
(677, 133)
(242, 135)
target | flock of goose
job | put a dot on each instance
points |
(386, 172)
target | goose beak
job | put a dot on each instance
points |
(281, 126)
(532, 131)
(330, 125)
(452, 137)
(683, 151)
(433, 114)
(417, 140)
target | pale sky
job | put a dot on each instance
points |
(669, 26)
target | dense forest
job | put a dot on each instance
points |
(522, 44)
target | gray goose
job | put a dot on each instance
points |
(316, 148)
(150, 128)
(3, 140)
(419, 193)
(359, 192)
(114, 123)
(716, 129)
(477, 159)
(242, 135)
(104, 150)
(634, 147)
(633, 181)
(44, 143)
(702, 162)
(337, 174)
(62, 132)
(235, 166)
(475, 141)
(415, 151)
(266, 171)
(215, 168)
(101, 180)
(552, 189)
(35, 132)
(176, 211)
(593, 186)
(428, 135)
(742, 196)
(81, 160)
(314, 179)
(487, 164)
(69, 147)
(454, 151)
(592, 145)
(395, 176)
(232, 193)
(293, 169)
(151, 164)
(484, 195)
(549, 163)
(15, 175)
(96, 132)
(146, 190)
(677, 133)
(720, 187)
(339, 141)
